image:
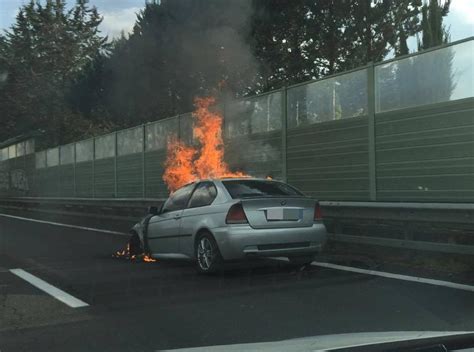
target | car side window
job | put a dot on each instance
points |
(178, 199)
(203, 195)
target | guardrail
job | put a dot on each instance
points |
(122, 209)
(436, 227)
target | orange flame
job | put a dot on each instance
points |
(179, 168)
(125, 254)
(146, 258)
(185, 164)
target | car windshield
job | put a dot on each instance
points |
(259, 188)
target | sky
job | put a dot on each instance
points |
(119, 15)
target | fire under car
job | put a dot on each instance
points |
(217, 220)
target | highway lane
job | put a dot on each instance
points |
(150, 306)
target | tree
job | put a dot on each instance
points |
(46, 48)
(435, 88)
(411, 81)
(434, 33)
(305, 39)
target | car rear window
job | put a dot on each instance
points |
(254, 188)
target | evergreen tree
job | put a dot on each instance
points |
(435, 88)
(411, 81)
(45, 49)
(434, 33)
(303, 39)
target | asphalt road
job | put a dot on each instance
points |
(166, 304)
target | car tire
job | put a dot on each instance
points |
(208, 256)
(301, 261)
(136, 246)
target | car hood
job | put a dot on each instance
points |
(329, 342)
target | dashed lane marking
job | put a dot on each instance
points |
(60, 295)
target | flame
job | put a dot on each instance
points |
(125, 254)
(146, 258)
(179, 168)
(185, 164)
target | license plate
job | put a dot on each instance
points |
(279, 214)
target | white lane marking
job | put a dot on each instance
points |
(65, 225)
(60, 295)
(396, 276)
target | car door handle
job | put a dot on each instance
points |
(177, 217)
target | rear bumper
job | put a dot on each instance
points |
(243, 241)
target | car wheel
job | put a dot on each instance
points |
(136, 247)
(208, 256)
(301, 261)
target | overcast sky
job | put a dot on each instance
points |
(120, 15)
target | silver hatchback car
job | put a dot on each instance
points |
(212, 221)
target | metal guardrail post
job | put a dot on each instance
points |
(115, 166)
(143, 162)
(371, 132)
(44, 189)
(93, 167)
(59, 172)
(74, 172)
(284, 127)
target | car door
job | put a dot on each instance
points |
(196, 213)
(163, 230)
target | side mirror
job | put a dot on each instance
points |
(153, 210)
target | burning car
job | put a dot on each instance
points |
(218, 220)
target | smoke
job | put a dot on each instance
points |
(178, 50)
(258, 158)
(216, 45)
(252, 128)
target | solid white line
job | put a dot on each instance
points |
(49, 289)
(65, 225)
(397, 276)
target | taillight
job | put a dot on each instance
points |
(318, 214)
(236, 215)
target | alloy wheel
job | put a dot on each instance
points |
(205, 253)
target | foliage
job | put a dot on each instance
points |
(411, 81)
(43, 51)
(298, 40)
(434, 33)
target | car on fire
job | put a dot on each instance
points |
(216, 220)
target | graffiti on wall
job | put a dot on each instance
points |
(14, 180)
(4, 180)
(19, 180)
